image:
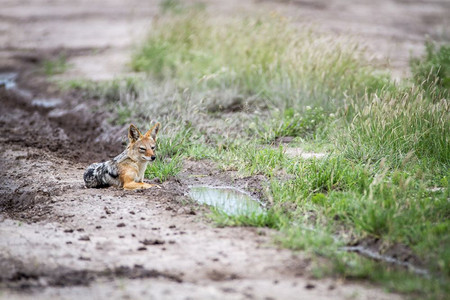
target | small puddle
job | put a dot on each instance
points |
(8, 80)
(46, 103)
(229, 200)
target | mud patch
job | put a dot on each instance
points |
(396, 254)
(64, 127)
(16, 276)
(217, 275)
(16, 204)
(35, 129)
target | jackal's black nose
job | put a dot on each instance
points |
(153, 157)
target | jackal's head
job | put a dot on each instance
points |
(142, 146)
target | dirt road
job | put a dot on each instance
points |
(61, 240)
(99, 36)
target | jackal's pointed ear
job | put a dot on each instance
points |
(153, 131)
(133, 133)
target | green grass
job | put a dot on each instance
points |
(164, 169)
(112, 91)
(306, 124)
(399, 127)
(262, 56)
(433, 71)
(171, 149)
(252, 159)
(55, 66)
(269, 219)
(226, 89)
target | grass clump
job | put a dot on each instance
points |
(55, 66)
(172, 147)
(306, 124)
(112, 92)
(433, 70)
(400, 127)
(251, 159)
(163, 169)
(270, 219)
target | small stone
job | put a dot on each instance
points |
(147, 242)
(310, 286)
(84, 238)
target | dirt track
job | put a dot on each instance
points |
(58, 239)
(98, 36)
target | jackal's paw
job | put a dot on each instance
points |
(137, 186)
(148, 185)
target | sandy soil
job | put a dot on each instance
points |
(60, 240)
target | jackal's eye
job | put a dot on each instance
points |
(153, 147)
(142, 149)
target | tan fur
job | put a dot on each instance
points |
(140, 151)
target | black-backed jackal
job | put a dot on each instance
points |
(126, 169)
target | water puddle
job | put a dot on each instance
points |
(229, 200)
(46, 103)
(8, 80)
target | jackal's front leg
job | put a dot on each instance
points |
(137, 185)
(130, 184)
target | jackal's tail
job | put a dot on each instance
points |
(100, 175)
